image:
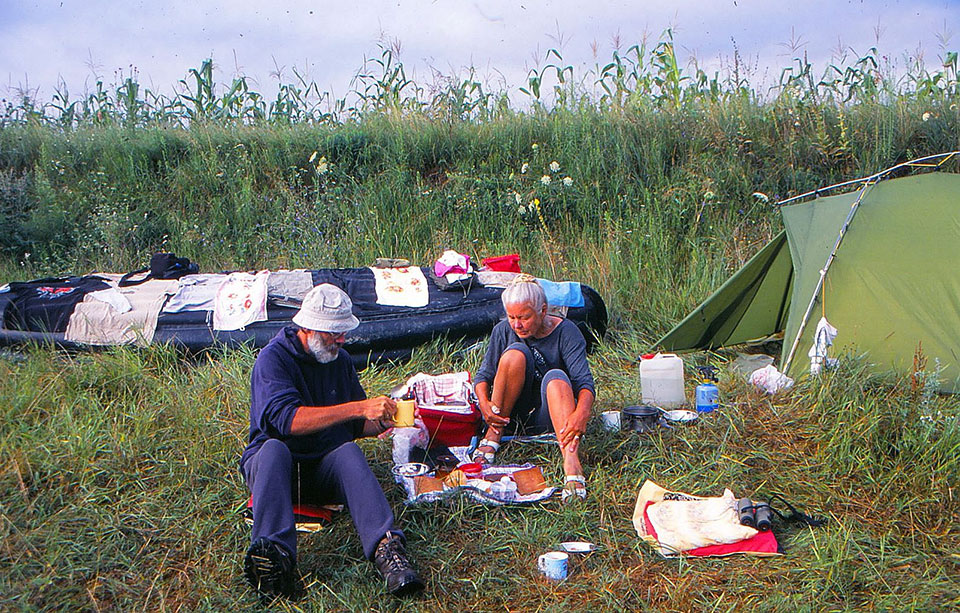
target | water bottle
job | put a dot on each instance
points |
(707, 394)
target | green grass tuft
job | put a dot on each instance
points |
(120, 490)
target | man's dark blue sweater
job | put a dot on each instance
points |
(286, 377)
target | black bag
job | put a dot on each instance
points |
(162, 266)
(464, 285)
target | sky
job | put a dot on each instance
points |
(74, 42)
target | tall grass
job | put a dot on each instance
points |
(659, 201)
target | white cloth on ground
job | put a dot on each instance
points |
(682, 525)
(770, 380)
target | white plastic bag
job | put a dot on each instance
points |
(405, 439)
(770, 380)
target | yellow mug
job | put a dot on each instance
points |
(404, 416)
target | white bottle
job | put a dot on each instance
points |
(661, 381)
(505, 489)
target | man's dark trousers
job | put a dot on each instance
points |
(342, 476)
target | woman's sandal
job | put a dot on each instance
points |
(574, 489)
(485, 457)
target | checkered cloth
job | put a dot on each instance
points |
(447, 392)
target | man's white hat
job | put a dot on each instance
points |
(326, 308)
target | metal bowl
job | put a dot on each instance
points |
(410, 469)
(681, 416)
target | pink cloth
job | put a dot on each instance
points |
(452, 262)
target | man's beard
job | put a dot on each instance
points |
(320, 350)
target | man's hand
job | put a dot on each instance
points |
(569, 435)
(380, 407)
(308, 419)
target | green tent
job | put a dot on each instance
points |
(891, 251)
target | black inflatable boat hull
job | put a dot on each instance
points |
(389, 333)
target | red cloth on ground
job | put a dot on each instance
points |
(762, 543)
(306, 512)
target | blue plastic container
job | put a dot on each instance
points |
(708, 397)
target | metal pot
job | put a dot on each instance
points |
(641, 418)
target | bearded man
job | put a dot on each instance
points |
(306, 409)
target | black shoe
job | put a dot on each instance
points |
(391, 560)
(271, 570)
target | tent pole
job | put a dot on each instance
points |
(876, 176)
(823, 274)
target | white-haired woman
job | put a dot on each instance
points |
(534, 379)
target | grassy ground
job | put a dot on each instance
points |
(120, 491)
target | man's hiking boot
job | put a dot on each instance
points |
(271, 570)
(391, 560)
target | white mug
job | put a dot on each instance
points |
(553, 565)
(611, 420)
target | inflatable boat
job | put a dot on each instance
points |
(398, 308)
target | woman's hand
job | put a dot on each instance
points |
(491, 415)
(569, 435)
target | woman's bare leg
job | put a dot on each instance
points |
(561, 404)
(507, 386)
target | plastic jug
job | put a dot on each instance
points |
(661, 380)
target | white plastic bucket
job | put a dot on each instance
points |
(661, 381)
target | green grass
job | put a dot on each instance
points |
(660, 210)
(120, 491)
